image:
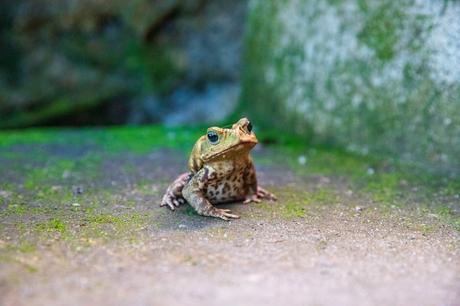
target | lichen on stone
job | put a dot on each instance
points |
(377, 77)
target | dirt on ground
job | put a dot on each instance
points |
(335, 248)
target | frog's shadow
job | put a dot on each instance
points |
(185, 218)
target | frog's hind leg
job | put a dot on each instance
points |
(255, 192)
(173, 196)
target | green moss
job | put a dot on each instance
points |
(146, 188)
(109, 226)
(109, 140)
(426, 229)
(105, 219)
(145, 139)
(77, 230)
(324, 196)
(296, 203)
(385, 188)
(30, 136)
(26, 247)
(397, 104)
(380, 30)
(293, 209)
(51, 226)
(37, 177)
(387, 183)
(451, 188)
(14, 209)
(447, 215)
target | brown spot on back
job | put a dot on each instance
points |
(226, 188)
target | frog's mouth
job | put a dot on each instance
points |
(246, 145)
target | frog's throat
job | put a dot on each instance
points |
(230, 149)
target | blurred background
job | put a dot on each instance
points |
(99, 62)
(377, 77)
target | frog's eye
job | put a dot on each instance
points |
(213, 137)
(249, 127)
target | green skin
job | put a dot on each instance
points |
(221, 171)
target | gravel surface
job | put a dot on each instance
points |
(350, 252)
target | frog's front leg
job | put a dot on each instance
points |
(173, 196)
(194, 193)
(255, 192)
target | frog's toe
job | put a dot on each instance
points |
(176, 202)
(168, 201)
(253, 198)
(271, 197)
(264, 194)
(227, 216)
(224, 214)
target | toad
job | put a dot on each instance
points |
(221, 171)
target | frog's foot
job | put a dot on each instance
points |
(171, 200)
(264, 194)
(260, 195)
(225, 214)
(173, 196)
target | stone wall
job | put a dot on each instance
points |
(377, 76)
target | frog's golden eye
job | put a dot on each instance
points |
(213, 137)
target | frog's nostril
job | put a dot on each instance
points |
(249, 127)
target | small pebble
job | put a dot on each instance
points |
(302, 160)
(5, 194)
(370, 171)
(77, 190)
(182, 226)
(358, 208)
(76, 204)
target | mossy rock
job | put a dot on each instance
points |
(377, 77)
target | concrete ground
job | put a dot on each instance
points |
(72, 237)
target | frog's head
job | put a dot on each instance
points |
(223, 143)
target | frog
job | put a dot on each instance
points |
(221, 170)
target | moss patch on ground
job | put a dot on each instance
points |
(297, 203)
(57, 185)
(385, 182)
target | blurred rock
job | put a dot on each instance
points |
(212, 103)
(373, 76)
(111, 61)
